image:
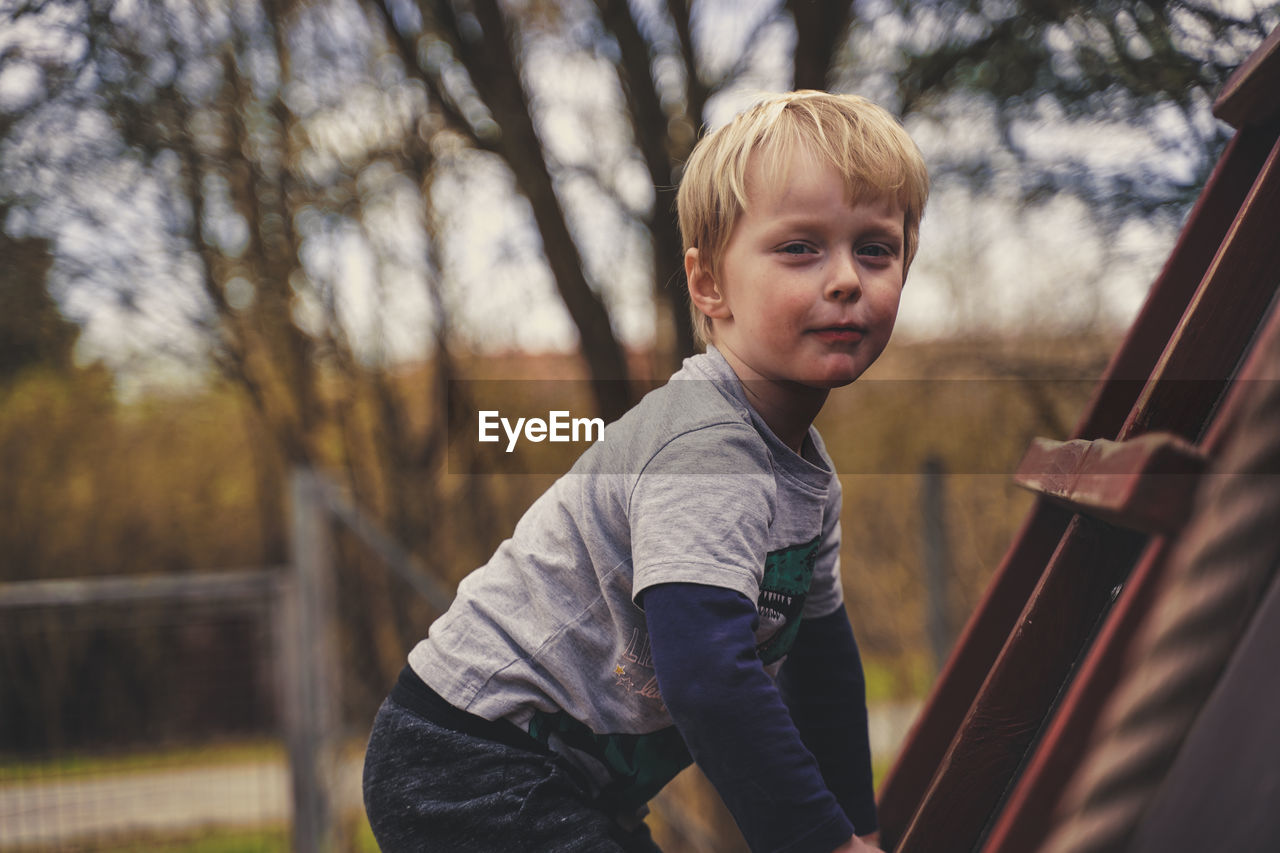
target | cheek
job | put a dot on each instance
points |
(886, 305)
(777, 312)
(791, 306)
(891, 314)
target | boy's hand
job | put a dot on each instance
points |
(865, 844)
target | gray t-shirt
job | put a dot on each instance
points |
(690, 486)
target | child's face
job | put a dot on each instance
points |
(809, 283)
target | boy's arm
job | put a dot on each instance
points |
(734, 721)
(823, 684)
(824, 687)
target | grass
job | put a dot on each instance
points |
(93, 765)
(206, 839)
(908, 676)
(232, 840)
(266, 840)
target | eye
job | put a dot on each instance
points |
(795, 249)
(875, 250)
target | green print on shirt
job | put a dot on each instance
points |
(639, 765)
(787, 575)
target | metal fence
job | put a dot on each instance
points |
(93, 759)
(247, 732)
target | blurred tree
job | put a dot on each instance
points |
(1153, 66)
(820, 25)
(471, 52)
(244, 120)
(1144, 70)
(250, 182)
(189, 174)
(32, 329)
(215, 167)
(483, 43)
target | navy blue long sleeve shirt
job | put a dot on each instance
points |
(790, 759)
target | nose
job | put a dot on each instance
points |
(843, 282)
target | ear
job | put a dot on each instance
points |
(704, 290)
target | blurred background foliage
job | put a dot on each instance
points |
(242, 235)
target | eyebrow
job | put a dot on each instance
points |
(889, 229)
(896, 233)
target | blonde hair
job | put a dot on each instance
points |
(861, 140)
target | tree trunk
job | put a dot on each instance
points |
(820, 24)
(490, 61)
(650, 125)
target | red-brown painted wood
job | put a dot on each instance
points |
(1000, 723)
(993, 619)
(976, 648)
(1074, 591)
(1249, 96)
(1146, 483)
(1206, 348)
(1032, 667)
(1025, 817)
(1211, 217)
(1220, 793)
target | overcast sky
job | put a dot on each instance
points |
(986, 265)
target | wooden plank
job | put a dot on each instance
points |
(1222, 790)
(312, 685)
(976, 648)
(992, 620)
(1214, 334)
(1074, 591)
(935, 547)
(399, 559)
(252, 586)
(1025, 818)
(1207, 226)
(1249, 96)
(980, 762)
(1146, 483)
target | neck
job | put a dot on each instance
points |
(787, 407)
(789, 418)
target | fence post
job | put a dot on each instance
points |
(937, 556)
(311, 669)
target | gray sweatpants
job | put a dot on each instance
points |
(427, 788)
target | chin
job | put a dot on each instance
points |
(840, 374)
(835, 379)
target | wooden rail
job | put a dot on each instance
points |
(1057, 581)
(246, 586)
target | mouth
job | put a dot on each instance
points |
(840, 334)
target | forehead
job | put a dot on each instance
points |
(801, 184)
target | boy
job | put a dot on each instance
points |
(677, 595)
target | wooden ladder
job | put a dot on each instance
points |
(1008, 719)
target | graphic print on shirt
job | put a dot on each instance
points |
(787, 575)
(634, 670)
(638, 766)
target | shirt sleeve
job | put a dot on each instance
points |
(700, 511)
(824, 687)
(734, 721)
